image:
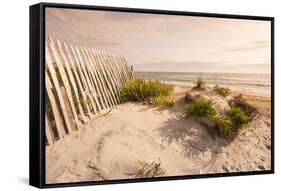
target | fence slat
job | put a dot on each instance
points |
(59, 61)
(111, 76)
(122, 68)
(106, 81)
(129, 71)
(95, 79)
(49, 132)
(68, 63)
(91, 85)
(81, 76)
(88, 85)
(80, 89)
(122, 77)
(54, 107)
(114, 68)
(107, 77)
(51, 68)
(97, 72)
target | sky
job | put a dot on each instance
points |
(171, 43)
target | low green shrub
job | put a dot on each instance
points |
(238, 117)
(224, 125)
(201, 107)
(163, 102)
(222, 91)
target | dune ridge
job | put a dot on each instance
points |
(137, 141)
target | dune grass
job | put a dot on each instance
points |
(201, 107)
(227, 124)
(223, 91)
(163, 102)
(149, 92)
(250, 110)
(234, 120)
(200, 83)
(224, 124)
(238, 117)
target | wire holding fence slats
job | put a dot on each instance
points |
(79, 83)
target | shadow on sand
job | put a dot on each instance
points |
(192, 138)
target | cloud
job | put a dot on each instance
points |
(248, 47)
(248, 68)
(197, 63)
(199, 66)
(251, 65)
(261, 42)
(103, 43)
(119, 16)
(177, 66)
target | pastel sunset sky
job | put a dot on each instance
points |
(153, 42)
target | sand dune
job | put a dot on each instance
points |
(134, 140)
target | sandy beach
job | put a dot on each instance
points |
(134, 140)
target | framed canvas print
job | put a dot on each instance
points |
(129, 95)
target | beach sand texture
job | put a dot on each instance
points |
(135, 141)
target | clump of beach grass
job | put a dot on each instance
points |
(238, 117)
(223, 91)
(227, 125)
(200, 83)
(163, 102)
(224, 124)
(148, 91)
(250, 110)
(201, 107)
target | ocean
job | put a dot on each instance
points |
(256, 83)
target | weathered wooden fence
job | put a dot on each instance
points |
(79, 83)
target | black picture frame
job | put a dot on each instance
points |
(37, 94)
